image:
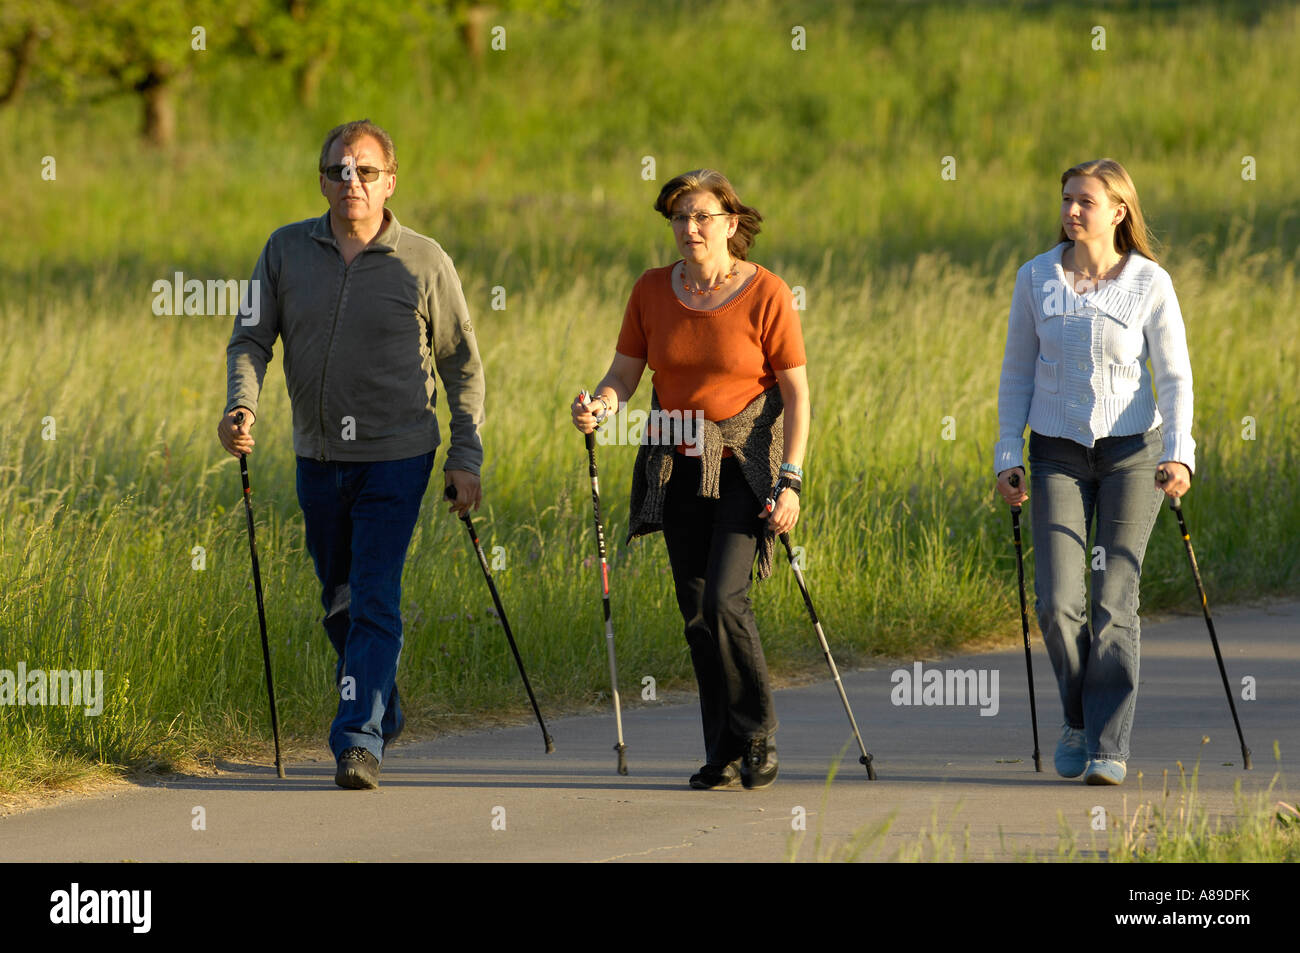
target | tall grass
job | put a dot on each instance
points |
(529, 172)
(1179, 827)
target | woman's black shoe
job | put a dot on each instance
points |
(713, 777)
(758, 768)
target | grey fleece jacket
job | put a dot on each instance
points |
(360, 345)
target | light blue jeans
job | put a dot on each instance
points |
(1096, 664)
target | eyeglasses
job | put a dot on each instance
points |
(679, 219)
(344, 173)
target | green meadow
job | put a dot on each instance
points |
(536, 171)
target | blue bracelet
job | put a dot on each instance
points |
(791, 468)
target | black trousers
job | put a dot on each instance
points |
(711, 547)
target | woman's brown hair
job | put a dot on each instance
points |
(710, 180)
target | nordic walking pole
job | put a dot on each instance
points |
(1162, 476)
(621, 748)
(450, 493)
(261, 611)
(826, 649)
(1014, 480)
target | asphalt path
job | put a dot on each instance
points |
(952, 784)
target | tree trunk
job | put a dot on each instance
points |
(308, 81)
(473, 30)
(159, 111)
(22, 56)
(308, 75)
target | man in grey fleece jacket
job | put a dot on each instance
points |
(365, 309)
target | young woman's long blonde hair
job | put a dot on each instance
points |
(1132, 233)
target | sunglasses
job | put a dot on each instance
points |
(343, 173)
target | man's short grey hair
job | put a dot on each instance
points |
(350, 132)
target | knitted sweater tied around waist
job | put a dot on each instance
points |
(756, 437)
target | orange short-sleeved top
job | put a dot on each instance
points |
(712, 361)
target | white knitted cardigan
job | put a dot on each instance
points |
(1076, 365)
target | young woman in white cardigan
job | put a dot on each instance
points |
(1086, 318)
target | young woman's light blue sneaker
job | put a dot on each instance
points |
(1071, 752)
(1102, 771)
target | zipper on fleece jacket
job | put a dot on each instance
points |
(329, 349)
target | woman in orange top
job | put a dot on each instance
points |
(728, 427)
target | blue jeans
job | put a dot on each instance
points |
(359, 518)
(1096, 665)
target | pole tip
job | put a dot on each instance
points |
(1246, 759)
(622, 758)
(550, 746)
(279, 769)
(871, 770)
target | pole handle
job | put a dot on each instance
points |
(584, 396)
(1014, 480)
(449, 493)
(590, 438)
(243, 457)
(1162, 477)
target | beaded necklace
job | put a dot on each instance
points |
(687, 288)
